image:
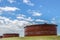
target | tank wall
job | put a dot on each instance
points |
(40, 30)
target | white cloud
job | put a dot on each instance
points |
(53, 20)
(39, 20)
(37, 14)
(6, 8)
(23, 17)
(28, 2)
(29, 19)
(34, 13)
(9, 23)
(21, 23)
(11, 1)
(4, 20)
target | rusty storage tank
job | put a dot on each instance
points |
(1, 36)
(10, 35)
(41, 30)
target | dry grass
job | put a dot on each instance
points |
(33, 38)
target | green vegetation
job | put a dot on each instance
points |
(33, 38)
(58, 37)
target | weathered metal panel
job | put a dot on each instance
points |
(41, 30)
(10, 35)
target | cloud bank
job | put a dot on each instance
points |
(6, 8)
(28, 2)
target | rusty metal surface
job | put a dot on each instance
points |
(10, 35)
(41, 30)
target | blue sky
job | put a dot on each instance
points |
(30, 11)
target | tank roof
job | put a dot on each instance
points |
(42, 25)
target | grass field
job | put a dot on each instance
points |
(33, 38)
